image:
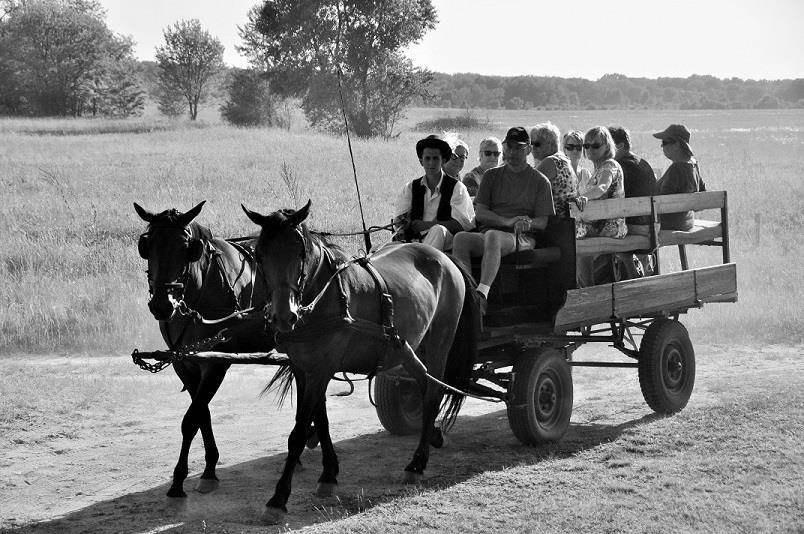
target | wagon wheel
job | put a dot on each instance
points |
(666, 366)
(399, 405)
(540, 403)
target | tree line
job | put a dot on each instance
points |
(58, 58)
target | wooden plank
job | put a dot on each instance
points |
(608, 245)
(661, 292)
(716, 280)
(701, 232)
(690, 201)
(611, 208)
(261, 358)
(584, 306)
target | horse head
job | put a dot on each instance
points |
(283, 251)
(170, 246)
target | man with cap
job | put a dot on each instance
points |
(512, 201)
(682, 176)
(435, 207)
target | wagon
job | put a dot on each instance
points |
(537, 317)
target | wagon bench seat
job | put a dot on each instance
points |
(607, 245)
(702, 231)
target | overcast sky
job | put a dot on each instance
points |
(567, 38)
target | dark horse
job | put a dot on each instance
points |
(195, 279)
(349, 323)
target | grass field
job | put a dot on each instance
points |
(70, 277)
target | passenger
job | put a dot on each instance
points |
(606, 182)
(435, 207)
(489, 157)
(573, 147)
(460, 152)
(554, 165)
(682, 176)
(512, 201)
(639, 180)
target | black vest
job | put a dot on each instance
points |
(444, 212)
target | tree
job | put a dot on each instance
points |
(57, 56)
(188, 61)
(249, 101)
(302, 46)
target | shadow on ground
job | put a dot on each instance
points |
(371, 469)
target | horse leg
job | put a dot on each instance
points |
(314, 396)
(430, 403)
(198, 417)
(328, 479)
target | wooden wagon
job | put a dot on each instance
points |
(538, 317)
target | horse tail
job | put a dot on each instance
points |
(463, 352)
(281, 382)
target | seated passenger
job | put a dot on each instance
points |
(460, 153)
(513, 200)
(682, 176)
(573, 148)
(434, 207)
(489, 157)
(555, 165)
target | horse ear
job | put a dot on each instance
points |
(255, 217)
(194, 250)
(144, 214)
(188, 217)
(142, 246)
(297, 218)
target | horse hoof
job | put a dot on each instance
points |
(438, 439)
(325, 489)
(206, 485)
(273, 516)
(176, 494)
(412, 478)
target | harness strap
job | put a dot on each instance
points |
(386, 302)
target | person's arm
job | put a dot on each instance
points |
(488, 218)
(604, 179)
(548, 168)
(462, 211)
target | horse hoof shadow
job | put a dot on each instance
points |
(412, 478)
(325, 489)
(273, 516)
(207, 485)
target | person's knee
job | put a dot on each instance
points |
(495, 240)
(437, 237)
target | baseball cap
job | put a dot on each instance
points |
(517, 136)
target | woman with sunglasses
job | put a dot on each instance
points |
(573, 148)
(489, 157)
(460, 152)
(554, 165)
(606, 182)
(682, 176)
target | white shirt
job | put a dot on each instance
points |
(462, 209)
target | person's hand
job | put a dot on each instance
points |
(522, 225)
(419, 226)
(581, 202)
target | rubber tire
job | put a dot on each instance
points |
(535, 372)
(399, 405)
(666, 366)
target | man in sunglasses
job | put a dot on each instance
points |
(512, 201)
(489, 157)
(433, 208)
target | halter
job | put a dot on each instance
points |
(178, 283)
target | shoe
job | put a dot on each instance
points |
(482, 303)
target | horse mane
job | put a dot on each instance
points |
(172, 219)
(280, 220)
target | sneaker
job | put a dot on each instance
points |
(482, 303)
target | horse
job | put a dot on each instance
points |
(405, 309)
(195, 280)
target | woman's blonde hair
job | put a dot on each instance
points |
(547, 132)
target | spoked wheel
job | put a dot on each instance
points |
(666, 366)
(540, 402)
(399, 405)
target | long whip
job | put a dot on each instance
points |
(366, 235)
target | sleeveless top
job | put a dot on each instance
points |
(564, 185)
(444, 212)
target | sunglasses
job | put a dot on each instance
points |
(666, 142)
(456, 156)
(571, 147)
(489, 153)
(593, 146)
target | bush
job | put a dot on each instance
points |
(250, 102)
(467, 121)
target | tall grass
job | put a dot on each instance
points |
(70, 277)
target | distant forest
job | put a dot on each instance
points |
(612, 91)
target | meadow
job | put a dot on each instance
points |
(71, 279)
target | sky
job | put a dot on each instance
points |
(567, 38)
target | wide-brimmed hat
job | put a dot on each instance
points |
(517, 136)
(434, 141)
(676, 132)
